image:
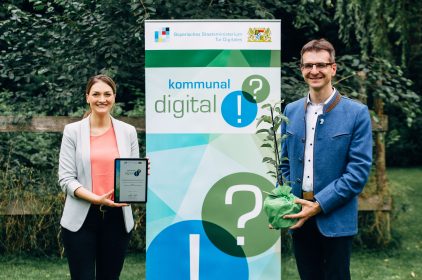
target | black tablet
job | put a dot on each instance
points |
(130, 180)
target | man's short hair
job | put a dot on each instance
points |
(319, 45)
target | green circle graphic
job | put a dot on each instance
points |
(257, 87)
(226, 208)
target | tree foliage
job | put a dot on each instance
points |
(49, 49)
(380, 28)
(389, 32)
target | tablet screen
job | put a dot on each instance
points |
(130, 180)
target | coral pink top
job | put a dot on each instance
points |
(103, 152)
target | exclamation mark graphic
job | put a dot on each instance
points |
(239, 108)
(194, 256)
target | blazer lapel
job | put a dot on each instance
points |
(86, 149)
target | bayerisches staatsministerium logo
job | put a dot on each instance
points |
(259, 34)
(162, 35)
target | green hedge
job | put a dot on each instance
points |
(28, 179)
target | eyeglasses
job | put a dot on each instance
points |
(319, 66)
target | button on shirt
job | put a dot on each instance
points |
(312, 112)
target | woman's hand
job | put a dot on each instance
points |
(149, 166)
(106, 200)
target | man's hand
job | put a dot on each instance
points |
(309, 209)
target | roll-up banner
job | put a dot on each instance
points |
(205, 84)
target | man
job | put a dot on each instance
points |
(329, 147)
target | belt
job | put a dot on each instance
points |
(102, 209)
(308, 196)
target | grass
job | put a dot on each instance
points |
(23, 268)
(401, 262)
(404, 262)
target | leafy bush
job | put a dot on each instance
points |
(49, 49)
(31, 200)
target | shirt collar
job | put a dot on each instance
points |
(308, 99)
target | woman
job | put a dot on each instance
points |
(95, 230)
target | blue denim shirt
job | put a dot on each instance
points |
(342, 160)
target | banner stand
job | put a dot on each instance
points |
(205, 84)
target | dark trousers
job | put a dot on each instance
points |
(97, 250)
(319, 257)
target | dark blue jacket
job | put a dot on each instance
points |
(342, 159)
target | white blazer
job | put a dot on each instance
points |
(75, 168)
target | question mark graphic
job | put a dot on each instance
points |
(258, 88)
(249, 215)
